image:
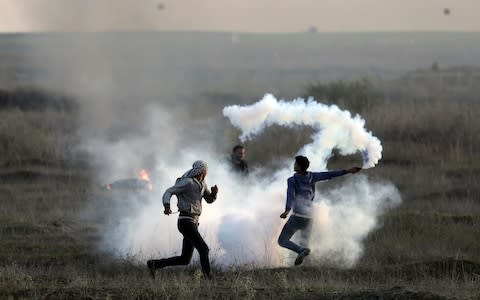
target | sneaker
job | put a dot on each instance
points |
(301, 256)
(151, 267)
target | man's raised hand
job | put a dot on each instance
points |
(214, 190)
(167, 210)
(284, 214)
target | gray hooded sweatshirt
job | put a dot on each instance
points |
(189, 192)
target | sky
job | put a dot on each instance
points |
(255, 16)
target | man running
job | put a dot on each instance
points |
(189, 189)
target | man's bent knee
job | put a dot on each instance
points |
(184, 260)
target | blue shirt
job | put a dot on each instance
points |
(301, 190)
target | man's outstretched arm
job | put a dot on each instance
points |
(319, 176)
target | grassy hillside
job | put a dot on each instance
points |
(428, 248)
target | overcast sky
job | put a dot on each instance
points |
(239, 16)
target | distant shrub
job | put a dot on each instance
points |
(36, 99)
(38, 126)
(356, 96)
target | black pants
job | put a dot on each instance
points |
(191, 239)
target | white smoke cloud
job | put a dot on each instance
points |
(335, 128)
(345, 216)
(131, 119)
(242, 226)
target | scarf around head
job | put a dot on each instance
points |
(198, 168)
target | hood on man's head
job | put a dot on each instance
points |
(198, 168)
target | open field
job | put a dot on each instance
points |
(427, 248)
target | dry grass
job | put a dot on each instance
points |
(126, 281)
(42, 137)
(427, 248)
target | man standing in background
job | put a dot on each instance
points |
(300, 195)
(237, 160)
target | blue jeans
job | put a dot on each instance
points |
(294, 224)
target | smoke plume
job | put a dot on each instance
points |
(243, 225)
(136, 113)
(335, 128)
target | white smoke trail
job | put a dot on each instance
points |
(335, 128)
(344, 216)
(243, 225)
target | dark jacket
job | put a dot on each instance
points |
(241, 167)
(301, 190)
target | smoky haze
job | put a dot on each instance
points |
(242, 226)
(238, 16)
(144, 105)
